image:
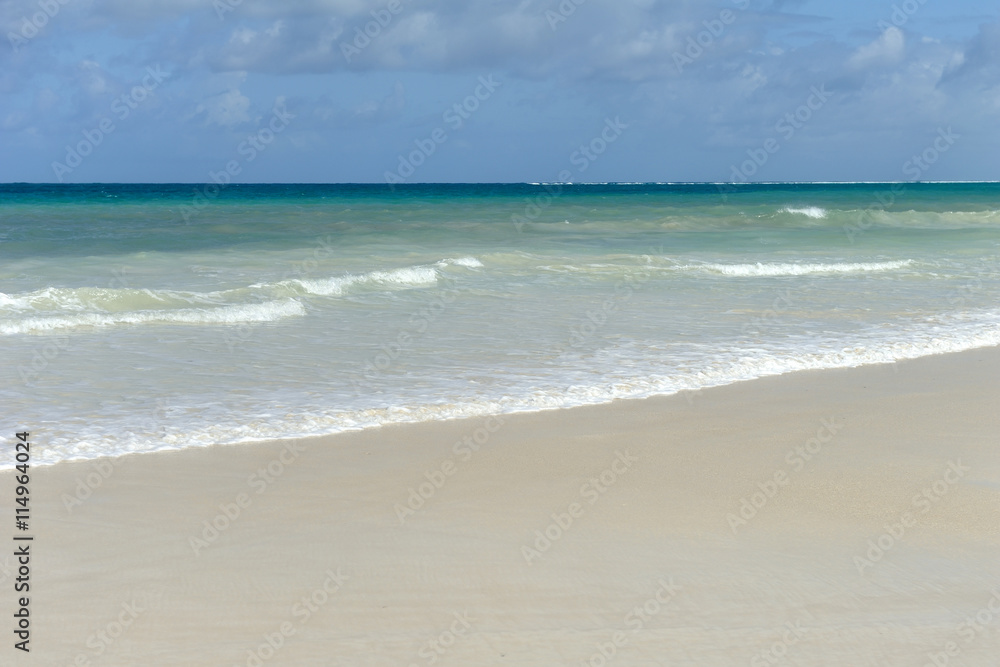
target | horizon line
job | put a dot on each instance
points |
(535, 183)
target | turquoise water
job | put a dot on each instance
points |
(139, 317)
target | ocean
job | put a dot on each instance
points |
(137, 318)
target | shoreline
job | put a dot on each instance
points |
(534, 538)
(516, 412)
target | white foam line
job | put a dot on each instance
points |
(743, 365)
(814, 212)
(761, 269)
(235, 314)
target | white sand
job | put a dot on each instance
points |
(451, 585)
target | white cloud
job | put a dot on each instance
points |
(625, 41)
(243, 35)
(608, 56)
(888, 49)
(45, 99)
(225, 110)
(92, 79)
(331, 114)
(15, 120)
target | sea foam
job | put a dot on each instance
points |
(769, 269)
(877, 346)
(808, 211)
(235, 314)
(396, 278)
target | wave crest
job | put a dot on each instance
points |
(765, 269)
(415, 276)
(267, 311)
(63, 307)
(814, 212)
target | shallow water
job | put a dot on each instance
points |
(137, 318)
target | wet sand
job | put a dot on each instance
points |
(838, 517)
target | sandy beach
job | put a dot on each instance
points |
(836, 517)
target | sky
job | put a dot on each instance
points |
(326, 91)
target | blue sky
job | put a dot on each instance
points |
(601, 90)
